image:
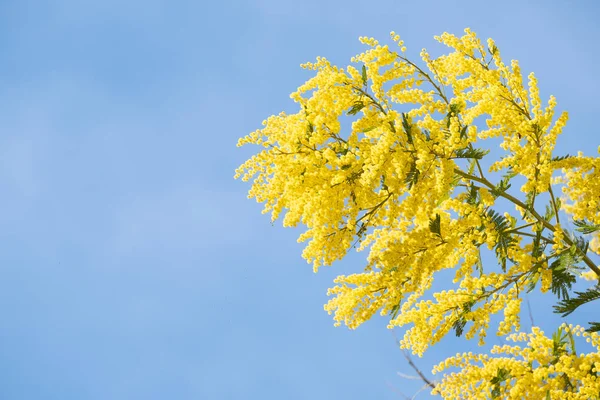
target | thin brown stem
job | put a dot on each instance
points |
(417, 370)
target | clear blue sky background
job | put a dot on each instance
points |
(132, 266)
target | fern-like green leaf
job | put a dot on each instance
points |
(413, 175)
(435, 225)
(505, 240)
(477, 154)
(594, 327)
(562, 276)
(567, 306)
(549, 214)
(560, 158)
(501, 376)
(501, 187)
(472, 195)
(586, 227)
(461, 318)
(356, 107)
(407, 128)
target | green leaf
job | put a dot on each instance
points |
(459, 326)
(533, 280)
(426, 134)
(529, 202)
(501, 376)
(501, 187)
(538, 249)
(586, 227)
(369, 129)
(461, 319)
(454, 109)
(549, 212)
(356, 107)
(342, 152)
(511, 173)
(472, 195)
(568, 385)
(479, 262)
(559, 344)
(407, 127)
(562, 277)
(472, 165)
(477, 154)
(435, 225)
(568, 305)
(392, 126)
(364, 74)
(579, 243)
(361, 230)
(395, 310)
(413, 175)
(383, 185)
(505, 240)
(453, 112)
(560, 158)
(594, 327)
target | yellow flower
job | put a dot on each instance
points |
(384, 156)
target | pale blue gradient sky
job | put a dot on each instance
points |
(132, 266)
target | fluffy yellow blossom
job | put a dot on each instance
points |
(384, 155)
(546, 368)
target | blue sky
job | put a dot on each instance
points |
(132, 266)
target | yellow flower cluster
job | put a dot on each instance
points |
(582, 190)
(546, 368)
(403, 180)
